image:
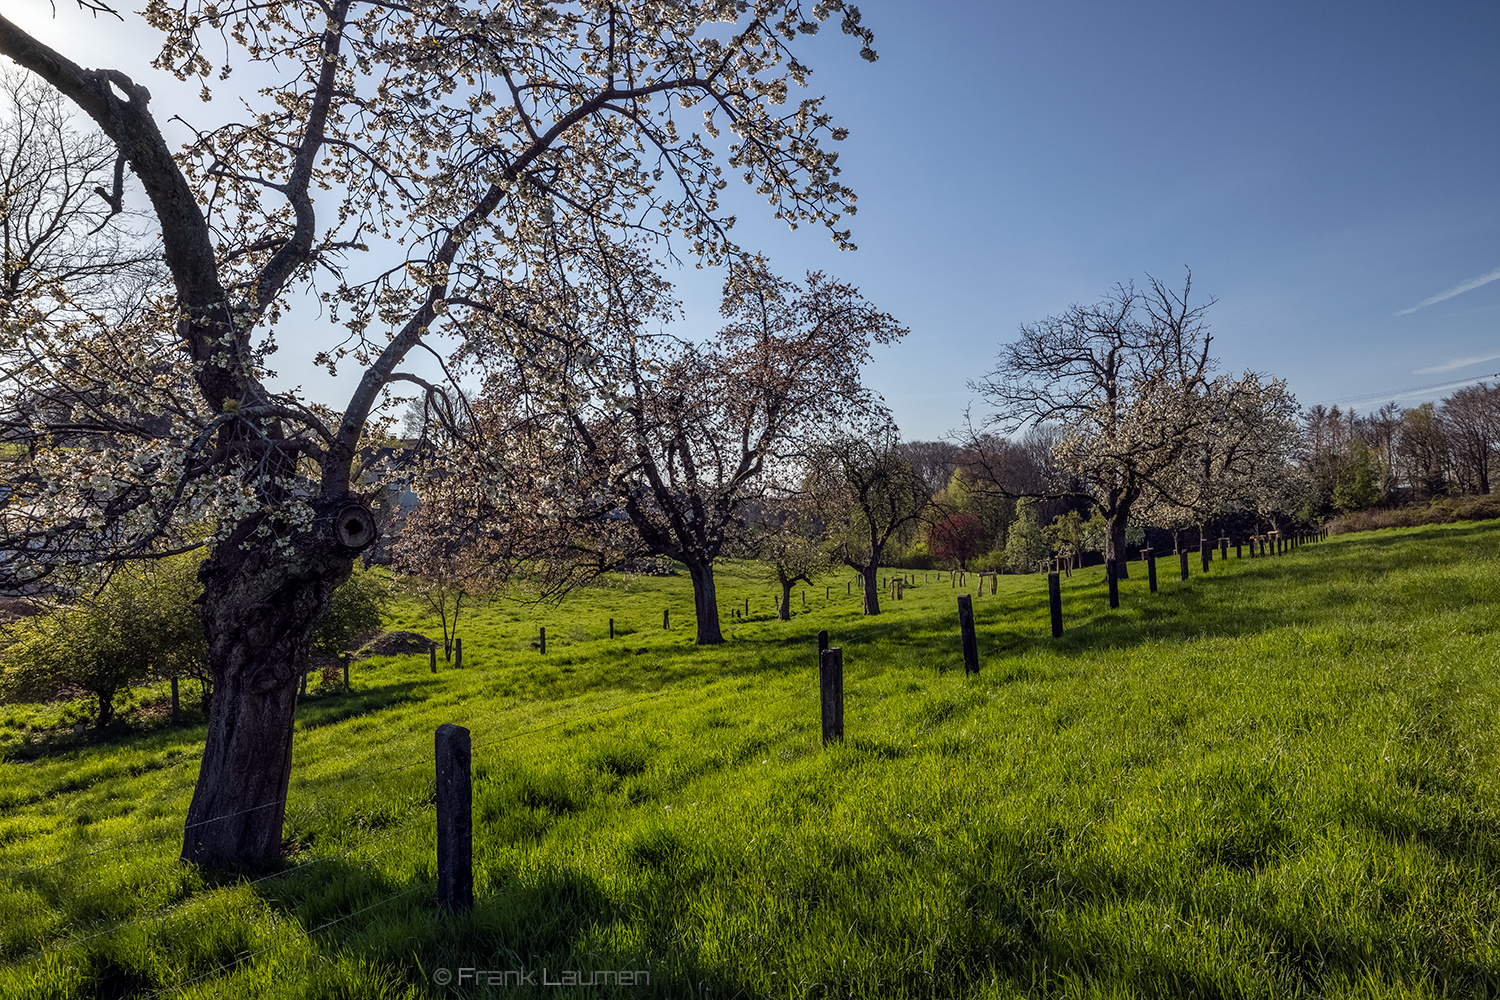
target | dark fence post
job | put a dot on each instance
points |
(1224, 549)
(1206, 553)
(1237, 552)
(458, 654)
(1182, 555)
(432, 657)
(665, 620)
(1054, 602)
(542, 639)
(1112, 577)
(822, 644)
(611, 628)
(966, 627)
(831, 693)
(455, 820)
(1150, 556)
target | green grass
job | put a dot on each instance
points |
(1276, 780)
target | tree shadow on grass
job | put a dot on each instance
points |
(337, 706)
(542, 930)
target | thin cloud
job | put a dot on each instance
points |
(1453, 366)
(1459, 289)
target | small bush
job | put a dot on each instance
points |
(144, 622)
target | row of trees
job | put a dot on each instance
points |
(517, 178)
(1395, 455)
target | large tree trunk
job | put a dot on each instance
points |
(785, 611)
(1114, 542)
(705, 602)
(871, 574)
(259, 608)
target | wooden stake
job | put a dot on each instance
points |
(455, 821)
(966, 628)
(831, 693)
(1054, 602)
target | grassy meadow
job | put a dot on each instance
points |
(1276, 780)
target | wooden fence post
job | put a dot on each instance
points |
(1112, 577)
(665, 620)
(542, 639)
(432, 657)
(611, 628)
(1206, 553)
(1224, 549)
(1150, 556)
(1054, 603)
(831, 693)
(458, 654)
(822, 644)
(966, 627)
(1182, 555)
(455, 820)
(1237, 554)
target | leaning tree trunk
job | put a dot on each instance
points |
(871, 575)
(785, 611)
(705, 601)
(259, 609)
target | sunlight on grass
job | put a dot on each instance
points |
(1276, 780)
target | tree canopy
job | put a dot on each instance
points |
(499, 157)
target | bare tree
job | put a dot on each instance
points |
(1471, 417)
(1118, 378)
(786, 536)
(1422, 451)
(867, 493)
(477, 138)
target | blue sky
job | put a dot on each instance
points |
(1324, 169)
(1329, 172)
